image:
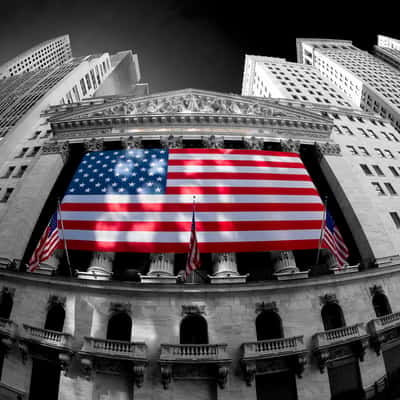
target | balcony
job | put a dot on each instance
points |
(256, 356)
(119, 351)
(200, 360)
(46, 337)
(11, 393)
(383, 330)
(353, 340)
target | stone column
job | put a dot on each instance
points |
(100, 267)
(284, 263)
(162, 264)
(161, 269)
(225, 269)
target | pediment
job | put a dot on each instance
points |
(187, 102)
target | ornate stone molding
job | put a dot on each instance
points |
(290, 145)
(249, 372)
(94, 144)
(55, 300)
(171, 142)
(132, 142)
(328, 298)
(253, 143)
(120, 308)
(193, 309)
(222, 375)
(271, 306)
(327, 149)
(213, 142)
(138, 373)
(166, 375)
(376, 289)
(54, 147)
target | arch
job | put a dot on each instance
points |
(332, 316)
(194, 330)
(6, 305)
(269, 325)
(119, 327)
(55, 318)
(381, 304)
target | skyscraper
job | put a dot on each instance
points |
(288, 323)
(50, 53)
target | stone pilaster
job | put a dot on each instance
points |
(161, 269)
(100, 267)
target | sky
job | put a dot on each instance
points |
(187, 43)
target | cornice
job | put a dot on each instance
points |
(140, 289)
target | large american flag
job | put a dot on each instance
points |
(49, 241)
(140, 200)
(333, 240)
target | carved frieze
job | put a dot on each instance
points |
(56, 300)
(327, 149)
(271, 306)
(94, 145)
(213, 142)
(193, 309)
(132, 142)
(171, 142)
(253, 143)
(120, 308)
(54, 147)
(328, 298)
(290, 145)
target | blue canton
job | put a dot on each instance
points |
(132, 171)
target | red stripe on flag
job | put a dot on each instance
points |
(237, 175)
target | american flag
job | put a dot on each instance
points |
(333, 240)
(193, 257)
(47, 244)
(140, 200)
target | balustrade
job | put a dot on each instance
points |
(47, 337)
(114, 348)
(384, 329)
(333, 336)
(272, 347)
(182, 352)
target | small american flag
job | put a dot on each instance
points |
(47, 244)
(193, 257)
(333, 240)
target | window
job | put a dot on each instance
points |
(352, 150)
(332, 316)
(381, 304)
(8, 172)
(394, 171)
(365, 169)
(380, 152)
(363, 132)
(395, 218)
(269, 325)
(378, 170)
(119, 327)
(390, 189)
(21, 171)
(6, 195)
(193, 330)
(35, 135)
(389, 153)
(83, 87)
(347, 130)
(378, 188)
(363, 151)
(34, 151)
(55, 318)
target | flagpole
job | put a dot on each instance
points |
(193, 211)
(64, 241)
(321, 236)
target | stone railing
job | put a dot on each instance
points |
(383, 323)
(197, 352)
(339, 335)
(273, 347)
(114, 348)
(47, 337)
(8, 328)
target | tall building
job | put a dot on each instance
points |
(288, 323)
(47, 54)
(372, 83)
(388, 49)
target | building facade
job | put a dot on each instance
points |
(50, 53)
(266, 325)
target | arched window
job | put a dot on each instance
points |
(194, 330)
(332, 316)
(6, 303)
(269, 325)
(55, 318)
(119, 327)
(381, 304)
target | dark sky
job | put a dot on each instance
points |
(199, 44)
